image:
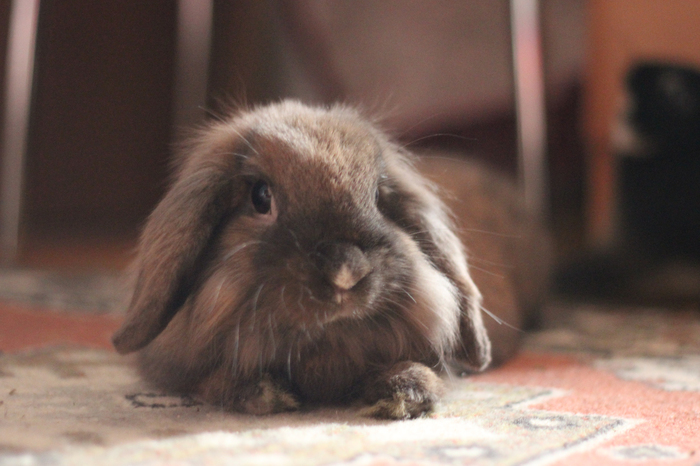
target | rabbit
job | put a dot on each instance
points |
(300, 258)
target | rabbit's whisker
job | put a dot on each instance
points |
(486, 232)
(301, 296)
(282, 301)
(295, 238)
(234, 359)
(244, 139)
(255, 305)
(497, 275)
(409, 295)
(474, 258)
(239, 248)
(500, 321)
(272, 334)
(216, 296)
(436, 135)
(417, 124)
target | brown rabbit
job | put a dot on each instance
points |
(299, 257)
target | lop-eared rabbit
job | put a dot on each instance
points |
(300, 257)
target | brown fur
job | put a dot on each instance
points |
(353, 281)
(509, 248)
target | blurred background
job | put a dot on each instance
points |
(107, 105)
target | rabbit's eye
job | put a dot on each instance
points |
(261, 196)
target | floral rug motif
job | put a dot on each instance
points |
(59, 397)
(599, 385)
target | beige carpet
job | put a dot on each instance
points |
(604, 386)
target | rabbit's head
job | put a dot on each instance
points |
(302, 217)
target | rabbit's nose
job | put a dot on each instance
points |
(346, 278)
(344, 265)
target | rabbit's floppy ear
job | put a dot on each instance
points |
(416, 207)
(174, 238)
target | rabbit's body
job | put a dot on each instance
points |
(299, 257)
(509, 249)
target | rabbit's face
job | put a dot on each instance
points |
(309, 208)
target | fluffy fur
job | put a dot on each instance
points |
(351, 283)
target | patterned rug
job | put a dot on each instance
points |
(600, 385)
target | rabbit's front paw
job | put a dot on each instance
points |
(265, 396)
(408, 390)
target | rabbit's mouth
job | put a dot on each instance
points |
(332, 303)
(350, 312)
